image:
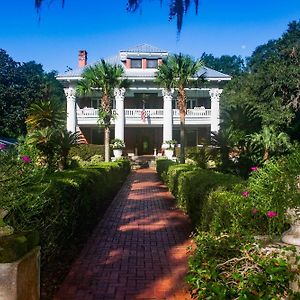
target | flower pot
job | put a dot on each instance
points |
(20, 280)
(169, 153)
(292, 236)
(117, 153)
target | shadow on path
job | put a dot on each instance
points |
(137, 251)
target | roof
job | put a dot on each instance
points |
(142, 73)
(145, 48)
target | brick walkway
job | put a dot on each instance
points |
(137, 251)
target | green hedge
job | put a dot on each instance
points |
(65, 203)
(86, 152)
(170, 176)
(194, 188)
(162, 166)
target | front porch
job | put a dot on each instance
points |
(143, 140)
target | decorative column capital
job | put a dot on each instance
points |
(119, 93)
(167, 93)
(215, 93)
(70, 92)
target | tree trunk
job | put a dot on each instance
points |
(266, 155)
(106, 144)
(182, 139)
(182, 113)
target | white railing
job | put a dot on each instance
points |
(157, 115)
(149, 113)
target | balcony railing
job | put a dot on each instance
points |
(152, 116)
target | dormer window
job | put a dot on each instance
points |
(136, 63)
(152, 63)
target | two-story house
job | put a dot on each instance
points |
(145, 115)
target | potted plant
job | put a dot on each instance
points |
(117, 145)
(292, 236)
(169, 151)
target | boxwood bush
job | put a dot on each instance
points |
(64, 203)
(162, 166)
(194, 188)
(86, 152)
(170, 176)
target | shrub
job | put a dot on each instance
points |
(235, 267)
(194, 188)
(201, 156)
(170, 176)
(64, 203)
(274, 188)
(85, 152)
(229, 211)
(162, 166)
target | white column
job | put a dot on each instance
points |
(70, 93)
(120, 117)
(168, 115)
(215, 108)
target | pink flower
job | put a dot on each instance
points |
(26, 159)
(245, 194)
(254, 168)
(2, 146)
(254, 211)
(271, 214)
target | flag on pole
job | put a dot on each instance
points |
(143, 113)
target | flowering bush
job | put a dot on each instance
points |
(236, 267)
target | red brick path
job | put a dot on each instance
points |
(137, 251)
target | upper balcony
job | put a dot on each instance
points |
(196, 116)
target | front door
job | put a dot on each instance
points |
(144, 140)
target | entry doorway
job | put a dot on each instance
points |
(143, 140)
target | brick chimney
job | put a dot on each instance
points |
(82, 58)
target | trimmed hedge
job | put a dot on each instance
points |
(192, 185)
(194, 188)
(162, 166)
(65, 203)
(86, 152)
(170, 176)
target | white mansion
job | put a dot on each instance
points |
(146, 115)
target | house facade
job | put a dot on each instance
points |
(146, 115)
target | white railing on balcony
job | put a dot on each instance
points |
(149, 113)
(155, 115)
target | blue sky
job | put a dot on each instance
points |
(221, 27)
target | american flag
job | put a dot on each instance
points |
(143, 115)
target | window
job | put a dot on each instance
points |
(136, 63)
(152, 63)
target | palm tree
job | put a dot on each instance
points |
(179, 71)
(270, 141)
(44, 114)
(105, 77)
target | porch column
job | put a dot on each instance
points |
(168, 115)
(120, 117)
(70, 93)
(215, 108)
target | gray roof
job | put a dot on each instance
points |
(145, 48)
(205, 71)
(211, 73)
(143, 73)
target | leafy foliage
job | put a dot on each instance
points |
(264, 101)
(231, 65)
(86, 152)
(178, 8)
(104, 77)
(179, 71)
(235, 267)
(62, 203)
(22, 84)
